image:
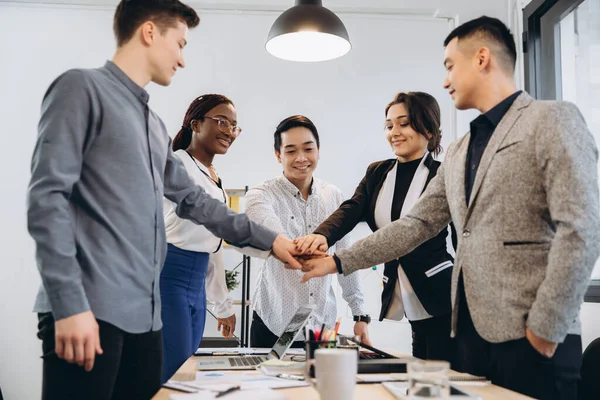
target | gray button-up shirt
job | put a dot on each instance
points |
(101, 166)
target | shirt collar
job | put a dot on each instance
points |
(498, 112)
(137, 90)
(429, 160)
(293, 190)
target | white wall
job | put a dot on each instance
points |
(226, 54)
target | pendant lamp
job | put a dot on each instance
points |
(308, 32)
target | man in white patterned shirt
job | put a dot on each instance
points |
(294, 205)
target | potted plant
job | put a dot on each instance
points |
(231, 279)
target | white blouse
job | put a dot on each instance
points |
(405, 300)
(187, 235)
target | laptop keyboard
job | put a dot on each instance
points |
(249, 361)
(370, 356)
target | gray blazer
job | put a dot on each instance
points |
(529, 237)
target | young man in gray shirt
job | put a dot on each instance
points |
(100, 169)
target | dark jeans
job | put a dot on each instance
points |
(431, 339)
(128, 369)
(183, 295)
(515, 364)
(261, 336)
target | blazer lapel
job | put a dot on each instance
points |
(430, 164)
(420, 179)
(456, 180)
(375, 194)
(505, 125)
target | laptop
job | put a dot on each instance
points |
(251, 361)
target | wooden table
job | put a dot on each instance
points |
(187, 372)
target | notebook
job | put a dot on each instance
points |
(399, 391)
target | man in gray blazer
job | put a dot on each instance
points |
(522, 191)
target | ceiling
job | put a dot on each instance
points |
(466, 9)
(390, 4)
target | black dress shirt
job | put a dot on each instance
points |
(482, 129)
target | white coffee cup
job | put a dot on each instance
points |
(335, 373)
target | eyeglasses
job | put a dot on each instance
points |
(226, 126)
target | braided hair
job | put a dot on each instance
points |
(196, 111)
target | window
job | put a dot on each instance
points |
(561, 42)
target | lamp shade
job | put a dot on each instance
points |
(308, 32)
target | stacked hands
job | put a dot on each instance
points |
(308, 254)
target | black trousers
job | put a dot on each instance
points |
(431, 339)
(516, 365)
(129, 368)
(261, 336)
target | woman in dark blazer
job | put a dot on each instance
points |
(418, 284)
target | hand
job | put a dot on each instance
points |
(314, 254)
(543, 346)
(311, 243)
(317, 267)
(285, 250)
(304, 269)
(77, 339)
(228, 325)
(361, 329)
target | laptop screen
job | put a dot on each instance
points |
(291, 330)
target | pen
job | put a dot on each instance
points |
(224, 392)
(292, 377)
(337, 327)
(321, 333)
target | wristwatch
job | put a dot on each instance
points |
(363, 318)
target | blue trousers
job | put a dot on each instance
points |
(183, 295)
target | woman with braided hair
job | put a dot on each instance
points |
(193, 269)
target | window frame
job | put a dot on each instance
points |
(541, 55)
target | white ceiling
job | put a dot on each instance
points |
(389, 4)
(282, 3)
(464, 9)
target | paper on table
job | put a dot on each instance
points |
(278, 363)
(209, 351)
(454, 377)
(399, 377)
(264, 394)
(217, 376)
(460, 377)
(253, 380)
(294, 369)
(295, 352)
(266, 383)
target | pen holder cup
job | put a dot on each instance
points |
(312, 345)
